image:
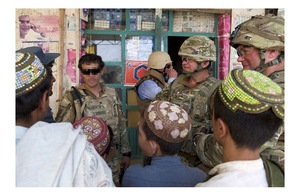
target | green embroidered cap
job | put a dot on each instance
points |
(251, 92)
(30, 72)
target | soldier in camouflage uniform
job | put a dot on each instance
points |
(198, 53)
(155, 79)
(260, 46)
(95, 99)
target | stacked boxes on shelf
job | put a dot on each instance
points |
(193, 21)
(133, 18)
(142, 19)
(116, 19)
(102, 18)
(165, 20)
(108, 19)
(148, 19)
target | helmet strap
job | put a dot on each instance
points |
(262, 64)
(199, 68)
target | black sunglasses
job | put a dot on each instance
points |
(89, 71)
(186, 59)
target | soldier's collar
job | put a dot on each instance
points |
(184, 80)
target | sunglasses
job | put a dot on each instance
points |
(168, 65)
(89, 71)
(186, 59)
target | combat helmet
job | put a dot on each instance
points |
(198, 48)
(261, 32)
(158, 60)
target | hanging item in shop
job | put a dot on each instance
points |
(134, 70)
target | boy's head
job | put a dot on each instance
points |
(252, 107)
(32, 82)
(97, 133)
(163, 128)
(47, 59)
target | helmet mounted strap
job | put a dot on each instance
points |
(262, 64)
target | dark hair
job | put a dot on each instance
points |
(91, 58)
(110, 140)
(49, 68)
(247, 130)
(28, 102)
(50, 64)
(166, 148)
(210, 67)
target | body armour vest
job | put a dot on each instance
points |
(194, 100)
(271, 149)
(149, 75)
(278, 77)
(107, 107)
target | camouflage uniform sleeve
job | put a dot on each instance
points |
(164, 94)
(66, 111)
(209, 151)
(125, 146)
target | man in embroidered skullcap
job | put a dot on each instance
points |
(248, 109)
(48, 60)
(162, 130)
(50, 154)
(32, 85)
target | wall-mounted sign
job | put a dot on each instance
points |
(134, 70)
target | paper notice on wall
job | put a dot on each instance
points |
(71, 23)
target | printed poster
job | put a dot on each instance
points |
(35, 28)
(134, 70)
